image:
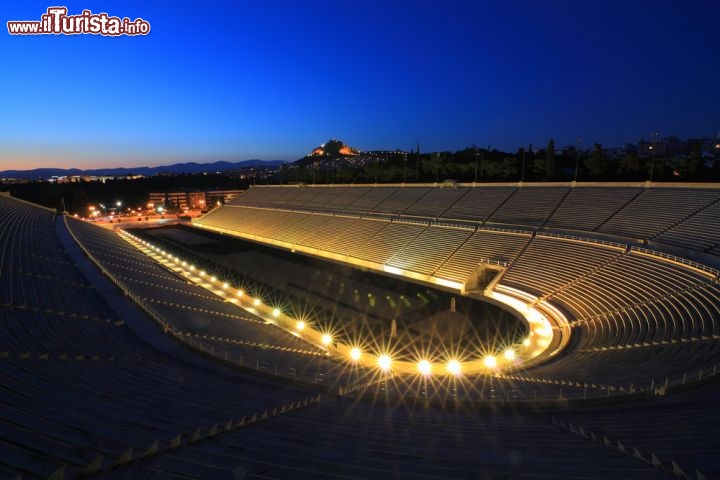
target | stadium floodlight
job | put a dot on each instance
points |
(257, 302)
(276, 312)
(527, 342)
(355, 353)
(192, 268)
(384, 362)
(225, 286)
(453, 367)
(300, 325)
(509, 354)
(490, 361)
(240, 293)
(213, 279)
(326, 339)
(202, 273)
(424, 367)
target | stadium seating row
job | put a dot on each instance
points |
(79, 391)
(82, 394)
(623, 302)
(676, 216)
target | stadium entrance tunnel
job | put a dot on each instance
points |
(368, 318)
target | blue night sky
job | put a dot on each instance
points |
(266, 79)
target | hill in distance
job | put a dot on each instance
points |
(331, 150)
(334, 148)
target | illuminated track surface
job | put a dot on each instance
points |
(548, 328)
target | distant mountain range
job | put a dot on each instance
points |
(178, 168)
(333, 149)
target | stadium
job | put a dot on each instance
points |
(449, 330)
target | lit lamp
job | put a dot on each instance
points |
(384, 362)
(490, 361)
(453, 367)
(424, 367)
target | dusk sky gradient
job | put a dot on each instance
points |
(236, 80)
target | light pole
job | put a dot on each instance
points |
(417, 163)
(482, 161)
(404, 167)
(476, 164)
(577, 157)
(652, 162)
(652, 155)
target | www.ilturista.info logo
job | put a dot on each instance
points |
(56, 21)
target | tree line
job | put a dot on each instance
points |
(471, 164)
(474, 164)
